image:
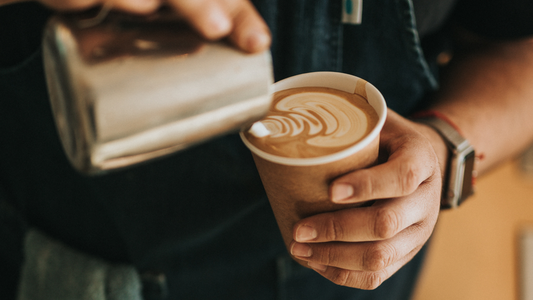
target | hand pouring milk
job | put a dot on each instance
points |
(132, 88)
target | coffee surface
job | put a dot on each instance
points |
(314, 121)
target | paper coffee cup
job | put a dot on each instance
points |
(298, 187)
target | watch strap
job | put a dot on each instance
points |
(459, 174)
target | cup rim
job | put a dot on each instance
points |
(336, 80)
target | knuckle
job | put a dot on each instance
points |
(409, 178)
(365, 281)
(378, 257)
(387, 223)
(373, 281)
(334, 230)
(327, 256)
(366, 187)
(341, 277)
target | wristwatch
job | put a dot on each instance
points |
(459, 175)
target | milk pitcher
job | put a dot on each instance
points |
(127, 89)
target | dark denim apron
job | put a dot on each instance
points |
(197, 225)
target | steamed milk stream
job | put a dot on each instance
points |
(314, 121)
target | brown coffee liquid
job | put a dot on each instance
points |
(314, 121)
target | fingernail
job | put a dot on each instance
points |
(257, 40)
(341, 191)
(219, 21)
(305, 233)
(302, 250)
(315, 266)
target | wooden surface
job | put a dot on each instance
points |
(474, 252)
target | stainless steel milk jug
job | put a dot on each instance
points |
(131, 88)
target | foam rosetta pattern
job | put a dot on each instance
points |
(321, 119)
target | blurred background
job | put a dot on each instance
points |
(484, 249)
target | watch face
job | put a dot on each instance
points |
(467, 188)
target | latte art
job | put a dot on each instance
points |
(313, 121)
(321, 115)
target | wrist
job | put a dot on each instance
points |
(438, 144)
(458, 178)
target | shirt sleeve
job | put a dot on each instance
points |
(500, 19)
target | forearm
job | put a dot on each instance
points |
(488, 93)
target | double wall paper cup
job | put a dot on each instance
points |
(298, 187)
